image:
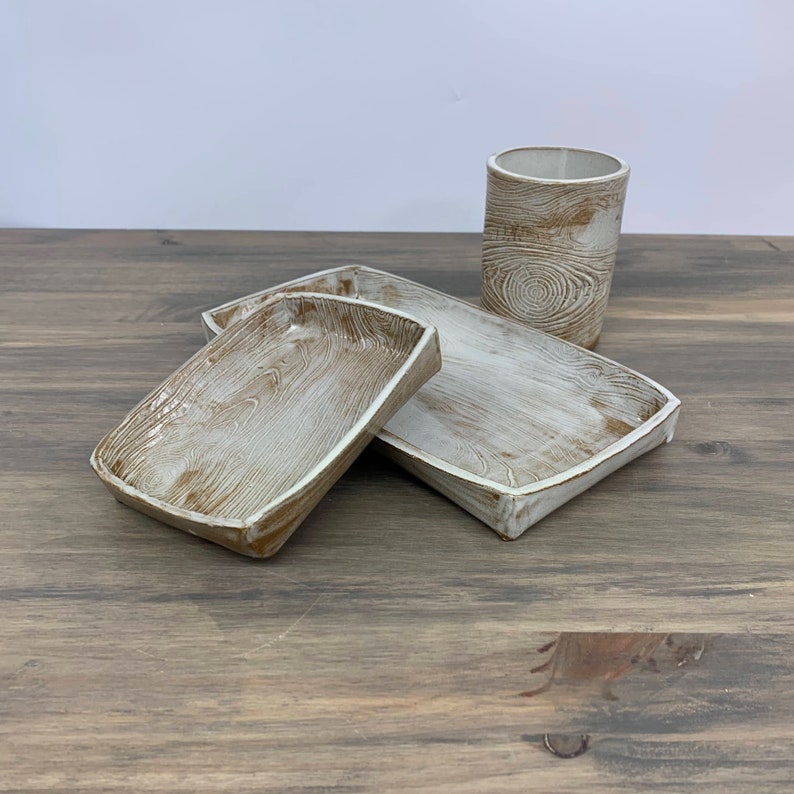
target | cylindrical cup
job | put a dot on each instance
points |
(552, 222)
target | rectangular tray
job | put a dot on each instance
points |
(242, 441)
(517, 422)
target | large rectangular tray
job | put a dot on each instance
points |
(517, 422)
(242, 441)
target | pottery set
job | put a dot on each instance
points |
(505, 411)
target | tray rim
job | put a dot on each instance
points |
(665, 412)
(249, 524)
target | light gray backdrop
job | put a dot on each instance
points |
(370, 115)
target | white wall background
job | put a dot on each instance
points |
(370, 115)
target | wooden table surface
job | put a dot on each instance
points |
(395, 643)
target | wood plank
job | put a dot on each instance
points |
(388, 644)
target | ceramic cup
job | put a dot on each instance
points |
(552, 222)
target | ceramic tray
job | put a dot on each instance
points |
(241, 442)
(517, 422)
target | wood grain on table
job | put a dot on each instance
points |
(395, 643)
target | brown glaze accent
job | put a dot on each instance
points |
(549, 226)
(347, 287)
(226, 314)
(583, 216)
(617, 427)
(184, 479)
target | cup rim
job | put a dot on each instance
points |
(622, 170)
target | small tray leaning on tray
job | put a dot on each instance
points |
(517, 422)
(243, 440)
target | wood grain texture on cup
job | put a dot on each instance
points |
(552, 223)
(242, 441)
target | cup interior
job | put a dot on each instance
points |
(550, 162)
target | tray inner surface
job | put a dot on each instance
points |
(509, 405)
(230, 432)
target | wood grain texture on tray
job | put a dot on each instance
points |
(517, 422)
(241, 442)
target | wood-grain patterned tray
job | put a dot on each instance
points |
(517, 422)
(242, 441)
